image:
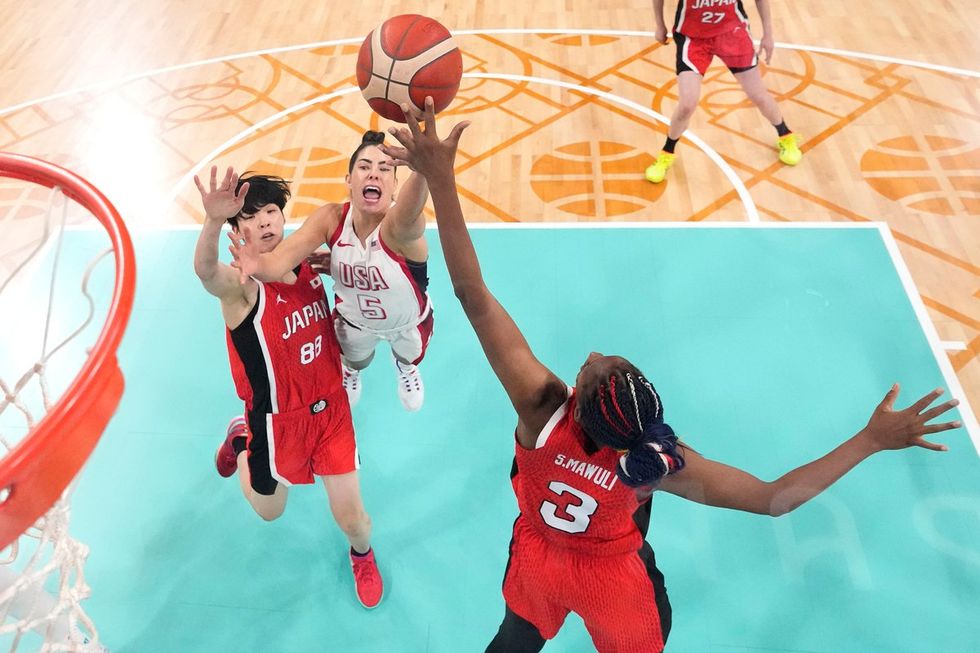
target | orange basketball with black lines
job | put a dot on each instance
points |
(405, 59)
(935, 174)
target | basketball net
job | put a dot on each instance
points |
(42, 579)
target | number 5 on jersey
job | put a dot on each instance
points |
(579, 513)
(371, 307)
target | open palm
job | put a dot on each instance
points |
(222, 201)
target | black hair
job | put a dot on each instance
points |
(370, 139)
(262, 190)
(626, 413)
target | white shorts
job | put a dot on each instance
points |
(408, 344)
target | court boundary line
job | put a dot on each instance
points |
(107, 84)
(967, 417)
(752, 213)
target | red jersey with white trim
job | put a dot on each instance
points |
(373, 285)
(701, 19)
(573, 498)
(284, 355)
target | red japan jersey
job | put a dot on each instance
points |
(573, 498)
(703, 19)
(284, 355)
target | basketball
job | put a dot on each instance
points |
(405, 59)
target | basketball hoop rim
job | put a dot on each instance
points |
(34, 471)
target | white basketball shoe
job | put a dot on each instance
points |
(352, 384)
(411, 392)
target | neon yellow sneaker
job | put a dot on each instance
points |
(789, 151)
(658, 170)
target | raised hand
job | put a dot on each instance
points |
(244, 254)
(221, 201)
(422, 150)
(898, 429)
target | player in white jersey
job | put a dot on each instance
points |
(378, 257)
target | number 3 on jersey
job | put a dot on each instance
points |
(580, 512)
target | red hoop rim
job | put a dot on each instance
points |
(38, 469)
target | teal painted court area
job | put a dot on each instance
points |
(768, 346)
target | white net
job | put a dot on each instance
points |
(42, 579)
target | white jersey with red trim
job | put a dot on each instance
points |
(373, 286)
(703, 19)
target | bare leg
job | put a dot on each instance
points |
(689, 90)
(344, 495)
(755, 89)
(268, 507)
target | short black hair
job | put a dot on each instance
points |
(262, 190)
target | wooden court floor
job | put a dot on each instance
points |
(885, 98)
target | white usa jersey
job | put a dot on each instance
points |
(375, 288)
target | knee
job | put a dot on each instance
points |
(354, 523)
(685, 109)
(760, 97)
(269, 513)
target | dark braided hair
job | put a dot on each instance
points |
(370, 139)
(262, 190)
(625, 413)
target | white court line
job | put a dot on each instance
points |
(240, 136)
(752, 213)
(105, 85)
(291, 226)
(953, 345)
(932, 336)
(936, 345)
(928, 328)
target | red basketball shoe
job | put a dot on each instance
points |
(367, 579)
(226, 460)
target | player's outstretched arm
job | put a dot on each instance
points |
(405, 221)
(716, 484)
(220, 203)
(293, 250)
(534, 390)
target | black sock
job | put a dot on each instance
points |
(670, 144)
(782, 129)
(359, 555)
(238, 444)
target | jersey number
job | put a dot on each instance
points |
(712, 17)
(309, 351)
(371, 307)
(578, 513)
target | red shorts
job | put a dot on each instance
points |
(291, 448)
(734, 48)
(620, 598)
